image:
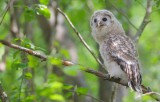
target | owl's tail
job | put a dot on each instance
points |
(136, 87)
(134, 78)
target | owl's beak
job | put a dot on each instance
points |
(99, 24)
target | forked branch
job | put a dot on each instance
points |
(145, 21)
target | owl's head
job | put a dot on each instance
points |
(101, 18)
(102, 23)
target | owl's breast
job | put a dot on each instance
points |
(112, 66)
(104, 52)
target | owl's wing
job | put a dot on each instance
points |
(122, 51)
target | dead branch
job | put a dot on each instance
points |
(145, 21)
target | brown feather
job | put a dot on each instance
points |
(123, 52)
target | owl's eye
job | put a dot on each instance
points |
(104, 19)
(95, 20)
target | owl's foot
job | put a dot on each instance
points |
(115, 78)
(108, 76)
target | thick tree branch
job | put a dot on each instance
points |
(145, 21)
(80, 37)
(86, 69)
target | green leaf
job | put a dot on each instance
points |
(56, 85)
(33, 61)
(27, 43)
(16, 54)
(17, 64)
(157, 2)
(146, 98)
(44, 2)
(39, 48)
(14, 88)
(42, 10)
(28, 75)
(29, 13)
(67, 87)
(82, 68)
(55, 61)
(57, 97)
(82, 90)
(65, 53)
(71, 70)
(130, 97)
(56, 44)
(68, 94)
(16, 39)
(51, 87)
(30, 98)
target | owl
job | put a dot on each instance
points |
(116, 49)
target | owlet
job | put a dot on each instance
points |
(116, 49)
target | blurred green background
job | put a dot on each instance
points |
(36, 24)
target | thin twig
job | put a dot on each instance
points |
(152, 93)
(145, 21)
(88, 95)
(123, 15)
(80, 37)
(69, 63)
(139, 2)
(74, 93)
(149, 93)
(6, 9)
(20, 88)
(92, 97)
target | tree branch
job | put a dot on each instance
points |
(6, 9)
(88, 95)
(80, 37)
(123, 15)
(145, 21)
(26, 50)
(86, 69)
